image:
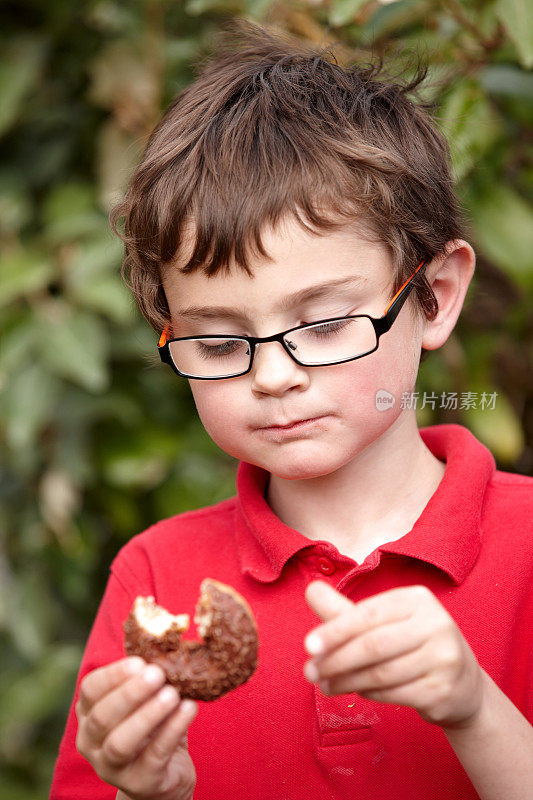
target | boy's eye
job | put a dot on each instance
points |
(328, 328)
(224, 348)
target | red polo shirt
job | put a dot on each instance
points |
(277, 737)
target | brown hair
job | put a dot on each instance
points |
(272, 127)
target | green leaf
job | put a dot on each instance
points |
(197, 7)
(498, 428)
(469, 124)
(27, 403)
(507, 80)
(15, 206)
(31, 696)
(109, 296)
(179, 51)
(517, 16)
(138, 458)
(257, 9)
(31, 613)
(22, 272)
(73, 451)
(142, 470)
(391, 19)
(74, 346)
(503, 222)
(16, 788)
(98, 256)
(69, 211)
(80, 410)
(20, 68)
(18, 343)
(343, 11)
(110, 17)
(118, 155)
(93, 278)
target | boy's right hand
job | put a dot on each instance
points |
(134, 732)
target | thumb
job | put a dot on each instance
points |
(326, 601)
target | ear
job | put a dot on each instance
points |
(449, 275)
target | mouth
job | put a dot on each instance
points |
(291, 425)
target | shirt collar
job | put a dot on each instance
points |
(447, 534)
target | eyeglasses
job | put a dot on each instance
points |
(316, 344)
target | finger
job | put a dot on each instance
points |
(118, 704)
(326, 601)
(387, 675)
(351, 619)
(373, 647)
(416, 694)
(171, 734)
(101, 681)
(125, 741)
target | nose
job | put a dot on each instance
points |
(274, 371)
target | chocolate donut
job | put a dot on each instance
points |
(200, 670)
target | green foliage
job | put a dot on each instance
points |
(97, 441)
(517, 16)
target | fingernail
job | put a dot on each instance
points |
(168, 695)
(311, 672)
(152, 675)
(324, 687)
(134, 665)
(314, 644)
(188, 706)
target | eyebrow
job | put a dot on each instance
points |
(320, 291)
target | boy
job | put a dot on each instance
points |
(388, 568)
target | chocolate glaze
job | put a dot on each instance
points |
(203, 670)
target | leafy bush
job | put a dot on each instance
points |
(96, 442)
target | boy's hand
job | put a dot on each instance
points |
(400, 646)
(134, 733)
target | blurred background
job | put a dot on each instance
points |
(96, 442)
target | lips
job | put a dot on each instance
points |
(289, 424)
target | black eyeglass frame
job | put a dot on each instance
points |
(381, 325)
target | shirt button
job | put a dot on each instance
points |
(325, 566)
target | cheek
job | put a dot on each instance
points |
(218, 407)
(391, 370)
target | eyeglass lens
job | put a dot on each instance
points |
(324, 343)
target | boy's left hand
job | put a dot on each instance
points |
(400, 646)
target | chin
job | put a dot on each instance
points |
(294, 468)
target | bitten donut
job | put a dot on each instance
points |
(200, 670)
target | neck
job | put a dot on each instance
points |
(375, 498)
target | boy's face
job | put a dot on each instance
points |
(237, 412)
